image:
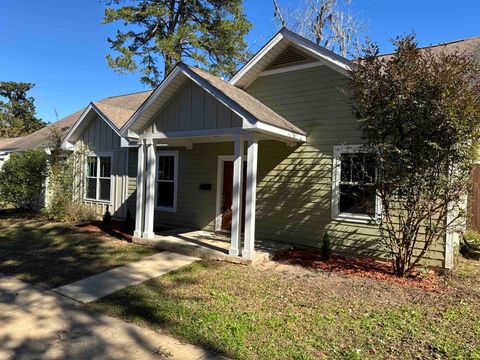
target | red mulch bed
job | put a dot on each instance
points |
(116, 229)
(361, 267)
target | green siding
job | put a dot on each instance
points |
(294, 184)
(195, 208)
(99, 137)
(192, 108)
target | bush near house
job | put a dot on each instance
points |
(420, 115)
(22, 179)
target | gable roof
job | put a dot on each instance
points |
(252, 105)
(276, 46)
(121, 105)
(234, 98)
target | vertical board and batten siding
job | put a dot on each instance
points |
(99, 138)
(192, 108)
(195, 207)
(294, 184)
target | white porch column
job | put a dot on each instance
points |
(250, 198)
(150, 191)
(139, 212)
(237, 196)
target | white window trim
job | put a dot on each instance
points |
(97, 156)
(336, 172)
(173, 153)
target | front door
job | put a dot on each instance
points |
(227, 195)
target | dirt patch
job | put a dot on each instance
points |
(116, 229)
(426, 280)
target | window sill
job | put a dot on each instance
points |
(106, 202)
(354, 218)
(165, 209)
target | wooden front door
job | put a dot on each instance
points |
(227, 195)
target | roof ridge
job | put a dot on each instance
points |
(96, 103)
(132, 93)
(438, 45)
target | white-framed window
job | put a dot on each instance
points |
(166, 181)
(353, 191)
(98, 178)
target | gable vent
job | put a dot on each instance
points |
(289, 57)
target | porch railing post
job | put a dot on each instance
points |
(250, 198)
(140, 203)
(237, 196)
(150, 191)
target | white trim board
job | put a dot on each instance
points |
(218, 202)
(335, 200)
(97, 156)
(328, 58)
(287, 69)
(175, 154)
(67, 145)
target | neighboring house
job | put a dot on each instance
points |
(264, 154)
(4, 153)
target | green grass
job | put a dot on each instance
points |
(250, 313)
(52, 254)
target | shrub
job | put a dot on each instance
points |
(62, 205)
(22, 179)
(420, 115)
(326, 247)
(472, 238)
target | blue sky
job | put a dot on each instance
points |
(61, 45)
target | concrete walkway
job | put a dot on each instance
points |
(38, 324)
(98, 286)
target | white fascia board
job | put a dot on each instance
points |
(65, 143)
(330, 59)
(282, 133)
(125, 143)
(106, 119)
(125, 130)
(291, 68)
(192, 133)
(258, 56)
(90, 107)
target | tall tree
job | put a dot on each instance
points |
(208, 32)
(325, 22)
(420, 113)
(17, 110)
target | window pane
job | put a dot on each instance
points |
(345, 168)
(357, 199)
(166, 168)
(165, 194)
(91, 166)
(91, 188)
(105, 189)
(105, 166)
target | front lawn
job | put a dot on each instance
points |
(280, 311)
(54, 254)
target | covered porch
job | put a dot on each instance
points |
(235, 240)
(191, 109)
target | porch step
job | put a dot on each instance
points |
(191, 247)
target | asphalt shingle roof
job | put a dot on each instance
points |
(117, 108)
(257, 109)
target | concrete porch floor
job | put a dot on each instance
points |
(208, 245)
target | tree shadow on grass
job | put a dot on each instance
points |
(52, 255)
